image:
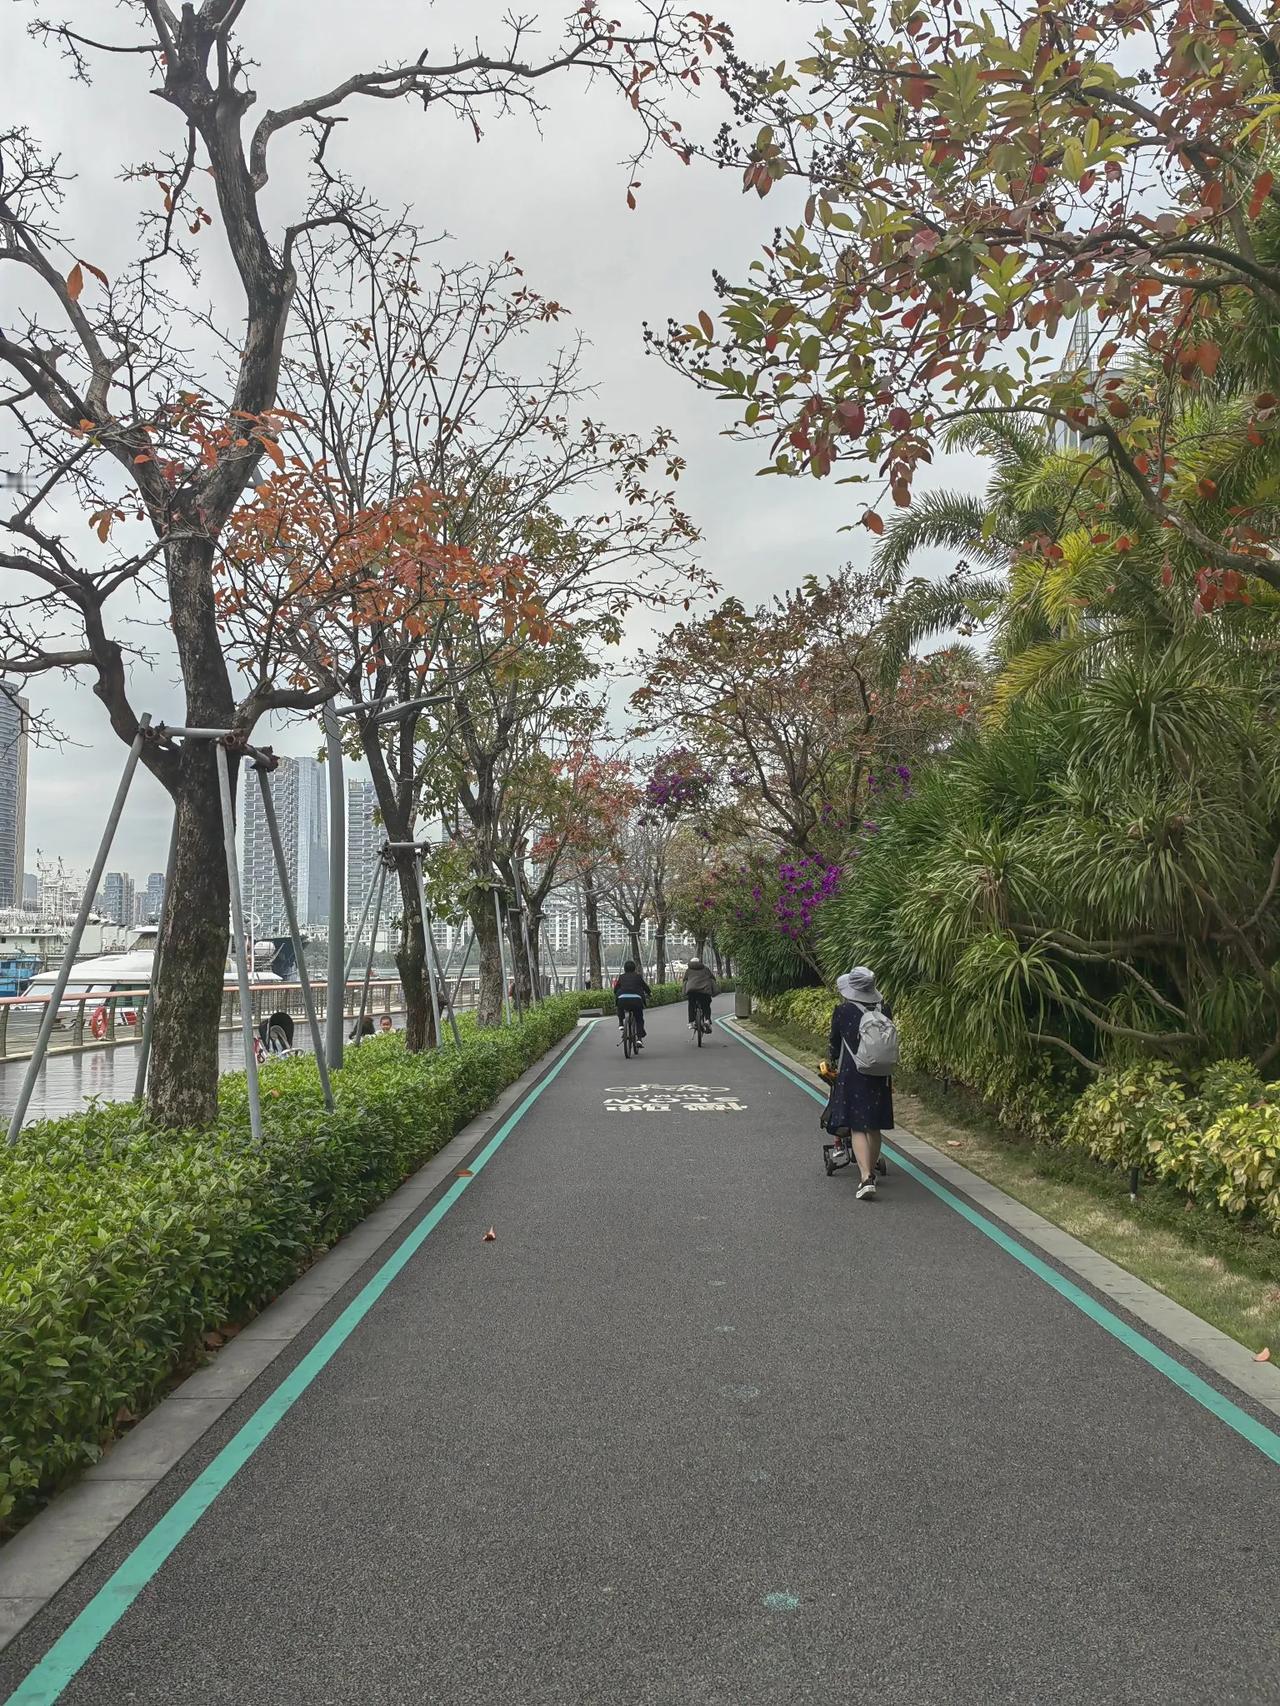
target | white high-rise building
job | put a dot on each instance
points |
(15, 735)
(153, 899)
(364, 837)
(118, 895)
(299, 796)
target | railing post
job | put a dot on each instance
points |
(4, 1032)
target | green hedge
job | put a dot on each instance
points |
(121, 1248)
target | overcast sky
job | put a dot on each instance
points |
(556, 200)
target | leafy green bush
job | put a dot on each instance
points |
(1219, 1142)
(807, 1010)
(122, 1247)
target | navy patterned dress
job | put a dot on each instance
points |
(858, 1103)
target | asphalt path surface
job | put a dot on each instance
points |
(699, 1429)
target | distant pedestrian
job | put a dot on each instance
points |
(386, 1023)
(861, 1052)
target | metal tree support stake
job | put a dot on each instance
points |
(77, 931)
(355, 946)
(506, 998)
(453, 1018)
(148, 1018)
(380, 885)
(433, 964)
(237, 924)
(534, 989)
(462, 969)
(335, 982)
(290, 912)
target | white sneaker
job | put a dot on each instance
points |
(866, 1190)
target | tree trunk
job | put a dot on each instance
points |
(411, 961)
(489, 995)
(182, 1082)
(633, 936)
(183, 1073)
(519, 962)
(699, 947)
(591, 914)
(660, 950)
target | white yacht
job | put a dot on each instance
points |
(116, 977)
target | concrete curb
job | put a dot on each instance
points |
(1259, 1381)
(42, 1557)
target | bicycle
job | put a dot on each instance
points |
(630, 1032)
(701, 1026)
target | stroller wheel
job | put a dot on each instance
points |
(827, 1162)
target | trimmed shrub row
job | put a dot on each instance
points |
(121, 1247)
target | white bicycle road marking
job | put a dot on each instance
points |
(663, 1098)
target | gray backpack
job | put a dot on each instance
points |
(878, 1050)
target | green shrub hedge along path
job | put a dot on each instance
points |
(121, 1247)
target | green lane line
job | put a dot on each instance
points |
(72, 1650)
(1256, 1433)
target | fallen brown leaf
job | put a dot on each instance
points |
(489, 1236)
(1264, 1355)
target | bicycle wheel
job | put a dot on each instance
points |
(701, 1027)
(628, 1036)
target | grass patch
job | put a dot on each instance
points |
(1224, 1271)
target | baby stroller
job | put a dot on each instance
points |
(275, 1036)
(839, 1151)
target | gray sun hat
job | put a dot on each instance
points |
(859, 985)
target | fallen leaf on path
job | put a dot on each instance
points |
(954, 1143)
(489, 1236)
(464, 1173)
(1264, 1355)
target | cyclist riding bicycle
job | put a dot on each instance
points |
(631, 991)
(698, 989)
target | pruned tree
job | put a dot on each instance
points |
(113, 411)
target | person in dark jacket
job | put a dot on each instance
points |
(698, 988)
(631, 990)
(861, 1107)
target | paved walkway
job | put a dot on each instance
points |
(698, 1429)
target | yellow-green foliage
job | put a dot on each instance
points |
(1220, 1144)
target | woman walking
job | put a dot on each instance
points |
(861, 1105)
